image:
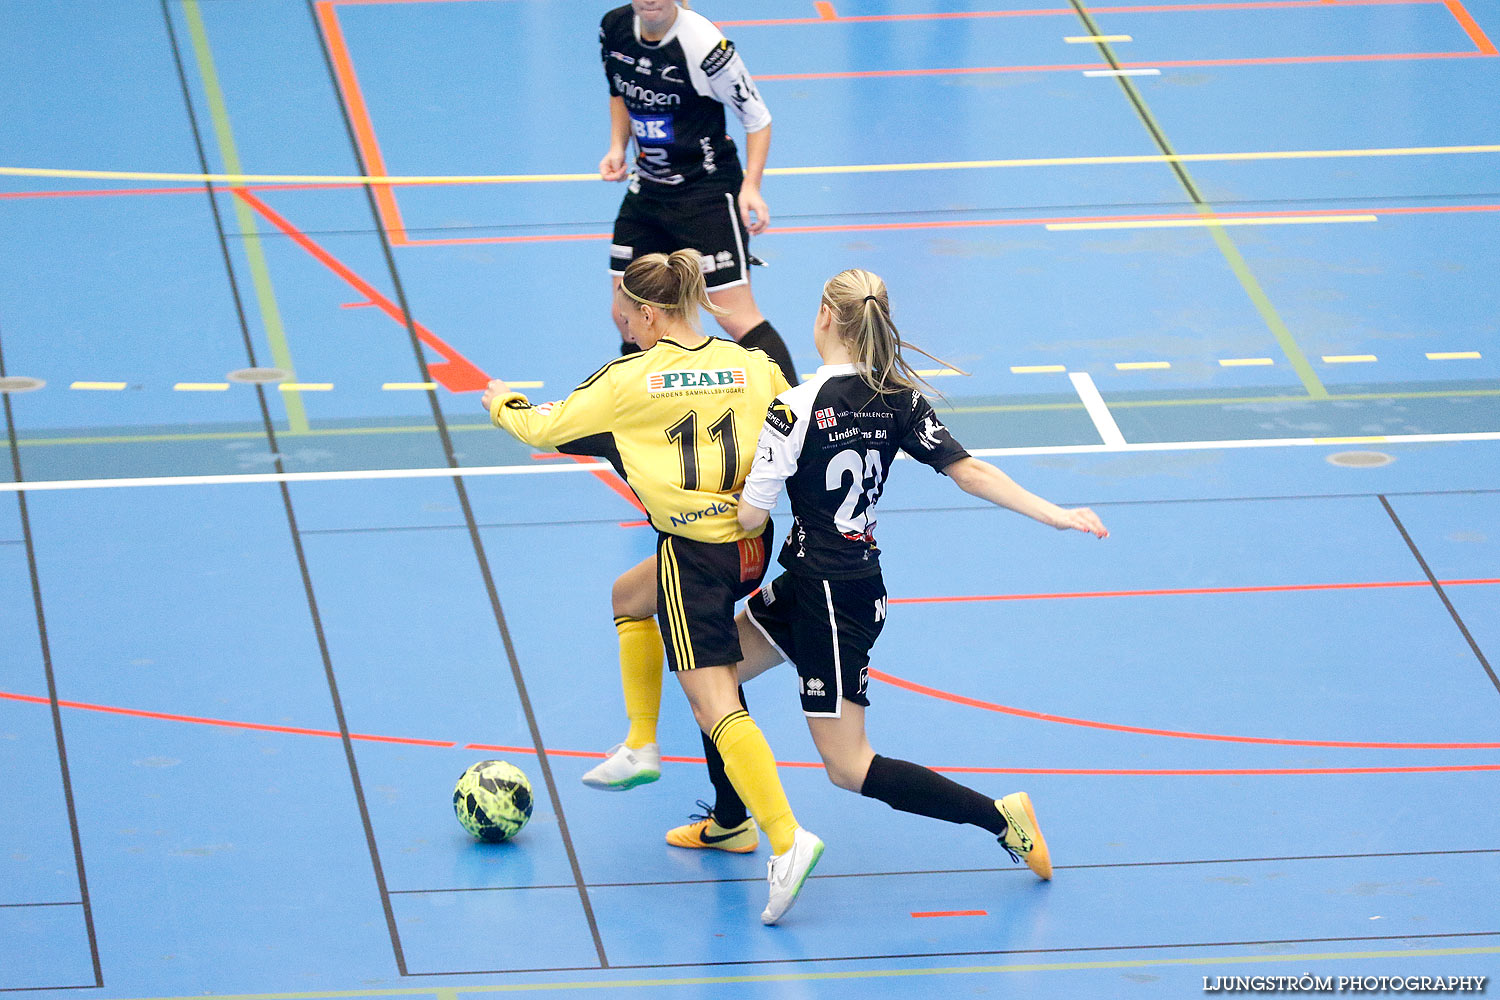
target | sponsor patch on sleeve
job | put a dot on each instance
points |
(780, 417)
(718, 57)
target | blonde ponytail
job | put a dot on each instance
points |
(862, 320)
(672, 283)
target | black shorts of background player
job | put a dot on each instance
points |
(671, 74)
(829, 442)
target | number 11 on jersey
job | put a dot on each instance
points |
(684, 434)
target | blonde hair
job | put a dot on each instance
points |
(862, 320)
(672, 283)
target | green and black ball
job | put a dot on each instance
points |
(493, 800)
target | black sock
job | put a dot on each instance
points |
(626, 347)
(729, 809)
(767, 339)
(913, 788)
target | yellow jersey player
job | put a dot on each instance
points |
(679, 423)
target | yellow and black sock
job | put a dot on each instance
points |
(729, 809)
(640, 677)
(913, 788)
(752, 768)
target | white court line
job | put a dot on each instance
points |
(1104, 421)
(538, 470)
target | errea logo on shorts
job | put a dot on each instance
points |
(814, 688)
(694, 379)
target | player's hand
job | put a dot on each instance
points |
(753, 211)
(495, 389)
(612, 167)
(1080, 519)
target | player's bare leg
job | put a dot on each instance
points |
(852, 764)
(636, 760)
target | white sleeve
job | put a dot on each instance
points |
(717, 70)
(731, 84)
(776, 455)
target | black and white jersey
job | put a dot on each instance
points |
(831, 440)
(676, 90)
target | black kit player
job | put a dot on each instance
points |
(671, 73)
(830, 443)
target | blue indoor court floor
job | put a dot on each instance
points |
(1223, 271)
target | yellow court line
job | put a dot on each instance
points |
(857, 168)
(1208, 961)
(201, 386)
(932, 372)
(1135, 366)
(398, 386)
(305, 386)
(1036, 369)
(1086, 39)
(1244, 362)
(1348, 359)
(1453, 356)
(100, 386)
(525, 385)
(1292, 220)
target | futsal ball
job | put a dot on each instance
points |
(493, 800)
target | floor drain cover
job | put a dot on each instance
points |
(258, 375)
(1361, 459)
(20, 383)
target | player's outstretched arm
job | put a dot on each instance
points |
(983, 480)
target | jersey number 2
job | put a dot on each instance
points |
(685, 434)
(859, 468)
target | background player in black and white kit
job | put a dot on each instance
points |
(671, 74)
(830, 443)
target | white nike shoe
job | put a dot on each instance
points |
(786, 873)
(625, 768)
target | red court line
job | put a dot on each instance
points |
(867, 227)
(609, 479)
(224, 723)
(1181, 591)
(490, 747)
(1155, 64)
(988, 706)
(1069, 12)
(1471, 27)
(456, 373)
(950, 913)
(359, 118)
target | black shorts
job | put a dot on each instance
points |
(826, 628)
(697, 584)
(708, 223)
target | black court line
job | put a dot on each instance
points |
(1013, 870)
(463, 499)
(1464, 629)
(18, 906)
(286, 499)
(39, 989)
(46, 648)
(1184, 945)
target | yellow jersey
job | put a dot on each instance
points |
(679, 424)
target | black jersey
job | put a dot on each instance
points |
(676, 90)
(831, 440)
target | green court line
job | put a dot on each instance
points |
(1221, 238)
(443, 993)
(998, 408)
(260, 272)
